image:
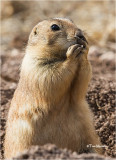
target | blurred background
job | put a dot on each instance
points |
(97, 19)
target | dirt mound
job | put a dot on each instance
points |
(50, 151)
(101, 98)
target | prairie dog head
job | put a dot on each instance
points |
(53, 37)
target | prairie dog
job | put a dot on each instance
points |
(49, 103)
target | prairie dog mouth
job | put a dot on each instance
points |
(82, 41)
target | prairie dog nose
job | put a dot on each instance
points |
(80, 35)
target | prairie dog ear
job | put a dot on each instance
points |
(35, 31)
(33, 35)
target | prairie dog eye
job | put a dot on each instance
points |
(55, 27)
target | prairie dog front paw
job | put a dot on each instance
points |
(73, 51)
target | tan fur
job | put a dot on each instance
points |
(49, 103)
